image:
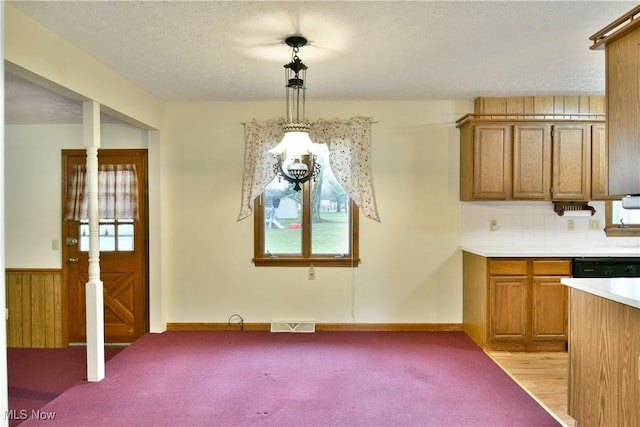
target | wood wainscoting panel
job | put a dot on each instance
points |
(34, 304)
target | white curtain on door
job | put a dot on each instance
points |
(117, 193)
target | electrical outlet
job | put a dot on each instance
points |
(570, 224)
(493, 225)
(312, 273)
(594, 224)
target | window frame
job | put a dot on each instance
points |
(306, 259)
(614, 230)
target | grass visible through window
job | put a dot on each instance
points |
(328, 237)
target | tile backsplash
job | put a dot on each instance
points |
(532, 224)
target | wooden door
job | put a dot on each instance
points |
(123, 258)
(532, 161)
(492, 161)
(571, 178)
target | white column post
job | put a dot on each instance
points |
(94, 296)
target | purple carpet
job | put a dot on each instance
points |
(246, 378)
(38, 375)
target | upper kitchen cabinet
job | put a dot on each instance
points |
(621, 39)
(599, 164)
(485, 164)
(531, 148)
(571, 176)
(531, 161)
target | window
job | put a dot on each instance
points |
(324, 229)
(117, 206)
(620, 221)
(114, 235)
(317, 225)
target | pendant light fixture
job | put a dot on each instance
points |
(296, 153)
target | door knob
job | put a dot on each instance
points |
(72, 260)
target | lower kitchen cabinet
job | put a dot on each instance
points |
(516, 304)
(508, 300)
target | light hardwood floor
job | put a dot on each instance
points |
(543, 375)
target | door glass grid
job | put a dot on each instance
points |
(115, 235)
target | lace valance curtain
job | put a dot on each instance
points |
(349, 143)
(117, 193)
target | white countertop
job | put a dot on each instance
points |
(550, 251)
(621, 289)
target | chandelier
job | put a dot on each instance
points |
(296, 153)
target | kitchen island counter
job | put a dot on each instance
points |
(625, 290)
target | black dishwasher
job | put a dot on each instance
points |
(606, 267)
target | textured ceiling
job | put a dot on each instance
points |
(359, 50)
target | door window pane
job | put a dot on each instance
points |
(107, 234)
(125, 236)
(84, 237)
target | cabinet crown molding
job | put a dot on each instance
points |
(515, 118)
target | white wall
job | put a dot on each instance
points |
(411, 262)
(33, 190)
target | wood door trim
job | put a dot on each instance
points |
(66, 154)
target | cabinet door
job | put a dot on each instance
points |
(548, 309)
(532, 161)
(571, 177)
(508, 308)
(599, 166)
(491, 161)
(623, 120)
